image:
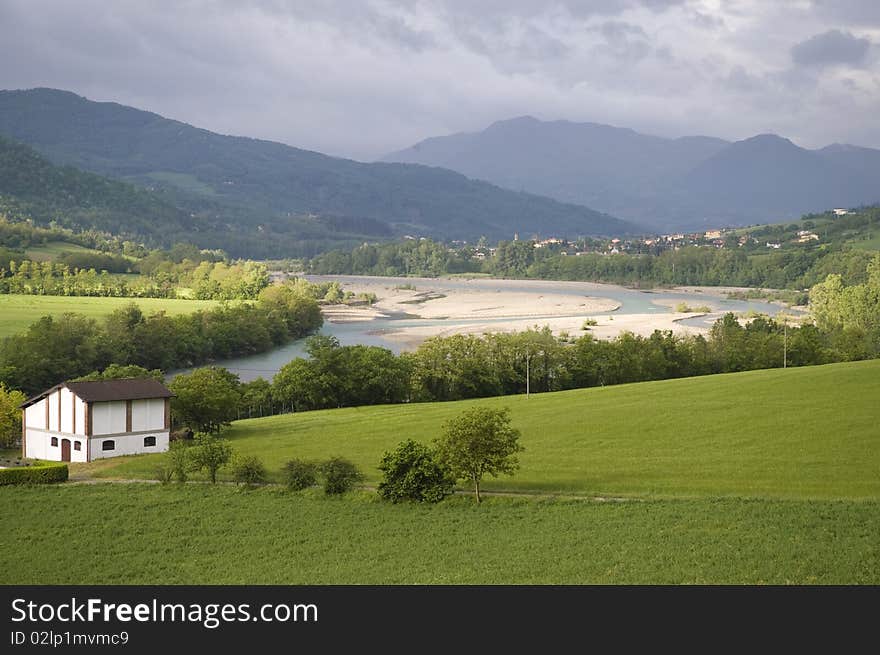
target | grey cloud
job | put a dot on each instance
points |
(360, 79)
(830, 48)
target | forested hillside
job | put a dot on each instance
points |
(274, 199)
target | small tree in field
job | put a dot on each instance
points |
(210, 453)
(411, 472)
(340, 475)
(479, 441)
(178, 463)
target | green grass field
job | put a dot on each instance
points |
(17, 312)
(152, 534)
(765, 477)
(799, 433)
(50, 251)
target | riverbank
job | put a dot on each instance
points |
(477, 306)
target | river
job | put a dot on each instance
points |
(371, 332)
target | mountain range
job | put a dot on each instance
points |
(690, 182)
(265, 199)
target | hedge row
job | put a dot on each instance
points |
(43, 473)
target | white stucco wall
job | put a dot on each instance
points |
(66, 410)
(80, 427)
(108, 417)
(148, 414)
(38, 445)
(53, 411)
(35, 415)
(132, 444)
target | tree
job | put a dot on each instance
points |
(10, 416)
(411, 472)
(206, 399)
(179, 462)
(210, 453)
(340, 475)
(479, 441)
(118, 372)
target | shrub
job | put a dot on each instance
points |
(411, 473)
(41, 473)
(248, 470)
(164, 472)
(590, 322)
(340, 475)
(299, 474)
(179, 461)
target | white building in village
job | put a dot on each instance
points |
(84, 421)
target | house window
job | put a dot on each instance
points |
(108, 445)
(149, 441)
(77, 445)
(54, 441)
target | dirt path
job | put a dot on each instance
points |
(457, 492)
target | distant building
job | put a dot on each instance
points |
(713, 234)
(775, 246)
(841, 212)
(84, 421)
(805, 235)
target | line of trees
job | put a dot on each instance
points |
(71, 345)
(208, 280)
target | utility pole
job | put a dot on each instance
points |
(785, 341)
(527, 375)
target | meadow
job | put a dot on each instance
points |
(201, 534)
(17, 312)
(798, 433)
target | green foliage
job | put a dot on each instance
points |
(248, 470)
(206, 399)
(10, 416)
(210, 453)
(340, 475)
(39, 473)
(411, 472)
(176, 463)
(339, 376)
(478, 442)
(299, 474)
(121, 372)
(850, 314)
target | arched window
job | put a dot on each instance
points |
(54, 441)
(77, 445)
(108, 445)
(149, 441)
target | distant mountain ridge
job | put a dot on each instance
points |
(262, 198)
(688, 182)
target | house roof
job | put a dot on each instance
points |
(105, 390)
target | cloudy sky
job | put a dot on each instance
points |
(360, 79)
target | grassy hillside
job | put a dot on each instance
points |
(806, 433)
(17, 312)
(220, 535)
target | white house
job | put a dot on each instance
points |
(84, 421)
